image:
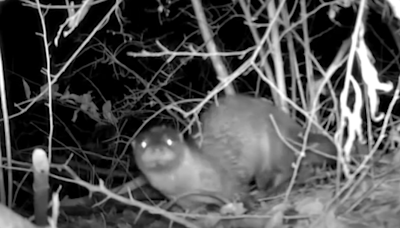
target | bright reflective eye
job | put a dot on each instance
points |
(143, 144)
(169, 142)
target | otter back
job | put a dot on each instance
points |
(239, 131)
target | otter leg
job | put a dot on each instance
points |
(264, 181)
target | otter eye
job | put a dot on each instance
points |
(143, 144)
(169, 142)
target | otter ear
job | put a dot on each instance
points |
(134, 143)
(181, 138)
